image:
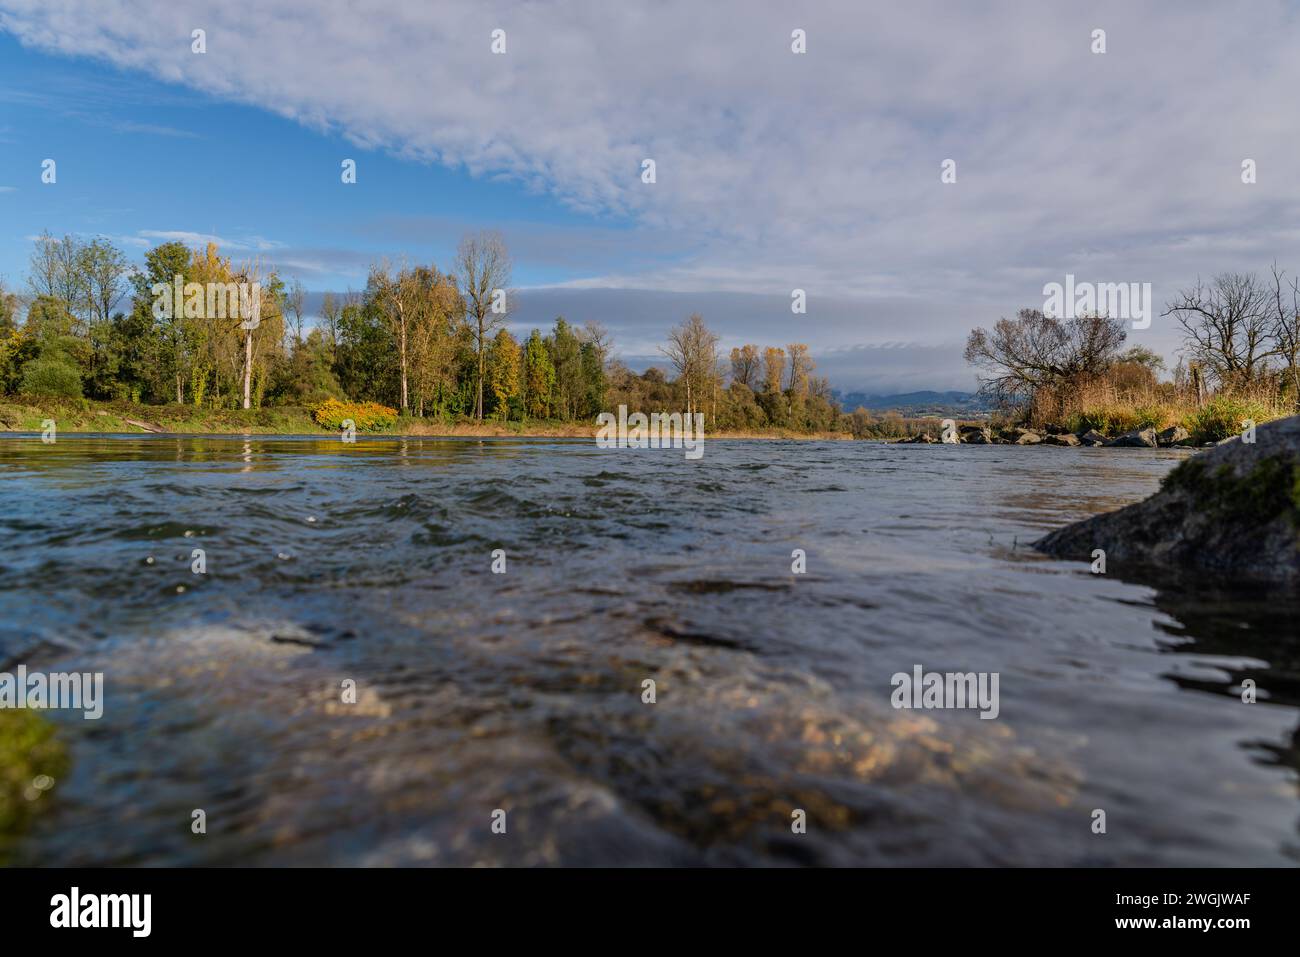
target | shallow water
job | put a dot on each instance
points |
(523, 691)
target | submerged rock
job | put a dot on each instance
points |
(1137, 439)
(32, 761)
(1233, 511)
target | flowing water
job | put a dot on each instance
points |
(372, 563)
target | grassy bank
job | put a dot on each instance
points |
(28, 413)
(1212, 420)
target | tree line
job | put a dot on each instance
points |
(426, 341)
(1241, 341)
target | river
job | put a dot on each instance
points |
(324, 566)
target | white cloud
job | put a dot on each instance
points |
(777, 170)
(244, 244)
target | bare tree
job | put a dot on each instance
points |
(43, 268)
(483, 272)
(1227, 326)
(1286, 322)
(55, 271)
(331, 313)
(294, 298)
(597, 336)
(1033, 350)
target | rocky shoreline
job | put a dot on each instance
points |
(1171, 437)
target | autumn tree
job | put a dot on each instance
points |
(746, 366)
(773, 369)
(539, 377)
(397, 294)
(693, 350)
(801, 366)
(435, 337)
(505, 368)
(11, 339)
(263, 333)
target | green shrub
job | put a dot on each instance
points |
(1117, 419)
(1222, 417)
(366, 416)
(51, 377)
(1153, 417)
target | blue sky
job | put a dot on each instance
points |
(776, 171)
(139, 159)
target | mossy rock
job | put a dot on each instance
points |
(1270, 488)
(1233, 511)
(32, 761)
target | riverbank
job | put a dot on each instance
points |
(28, 414)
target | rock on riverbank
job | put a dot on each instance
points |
(983, 435)
(1233, 510)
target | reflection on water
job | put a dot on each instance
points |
(372, 562)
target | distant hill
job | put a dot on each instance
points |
(915, 403)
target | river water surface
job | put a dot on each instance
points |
(372, 563)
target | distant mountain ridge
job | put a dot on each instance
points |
(913, 402)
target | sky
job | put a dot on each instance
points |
(774, 170)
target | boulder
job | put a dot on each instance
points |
(1029, 438)
(1137, 439)
(1173, 435)
(1229, 512)
(1062, 438)
(976, 434)
(1093, 437)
